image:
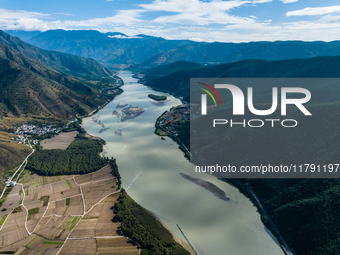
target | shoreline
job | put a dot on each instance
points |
(176, 238)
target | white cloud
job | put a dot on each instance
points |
(65, 14)
(195, 12)
(288, 1)
(312, 11)
(124, 37)
(190, 19)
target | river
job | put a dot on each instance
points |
(150, 169)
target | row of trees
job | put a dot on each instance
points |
(142, 227)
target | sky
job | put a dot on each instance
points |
(198, 20)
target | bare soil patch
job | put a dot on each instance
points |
(61, 141)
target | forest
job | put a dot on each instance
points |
(157, 98)
(81, 157)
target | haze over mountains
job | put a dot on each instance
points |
(117, 49)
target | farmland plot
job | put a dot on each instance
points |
(51, 218)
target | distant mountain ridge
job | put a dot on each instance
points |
(103, 47)
(149, 51)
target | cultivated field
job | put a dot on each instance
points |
(60, 141)
(63, 215)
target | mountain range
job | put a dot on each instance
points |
(119, 50)
(114, 49)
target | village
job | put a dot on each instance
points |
(171, 120)
(26, 131)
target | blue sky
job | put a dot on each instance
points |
(200, 20)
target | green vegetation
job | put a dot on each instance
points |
(162, 70)
(17, 209)
(26, 192)
(33, 211)
(307, 208)
(45, 199)
(69, 184)
(178, 83)
(53, 243)
(75, 126)
(12, 154)
(7, 252)
(3, 219)
(74, 222)
(45, 181)
(142, 227)
(157, 98)
(115, 171)
(68, 200)
(82, 156)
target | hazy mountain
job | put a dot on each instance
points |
(29, 87)
(119, 49)
(229, 52)
(108, 48)
(23, 35)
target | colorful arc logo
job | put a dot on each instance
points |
(213, 90)
(204, 97)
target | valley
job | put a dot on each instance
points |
(99, 100)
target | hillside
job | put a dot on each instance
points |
(69, 64)
(11, 155)
(30, 87)
(319, 67)
(164, 70)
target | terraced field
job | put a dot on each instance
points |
(63, 215)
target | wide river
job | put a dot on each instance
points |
(150, 169)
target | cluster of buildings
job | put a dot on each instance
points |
(10, 183)
(175, 117)
(26, 131)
